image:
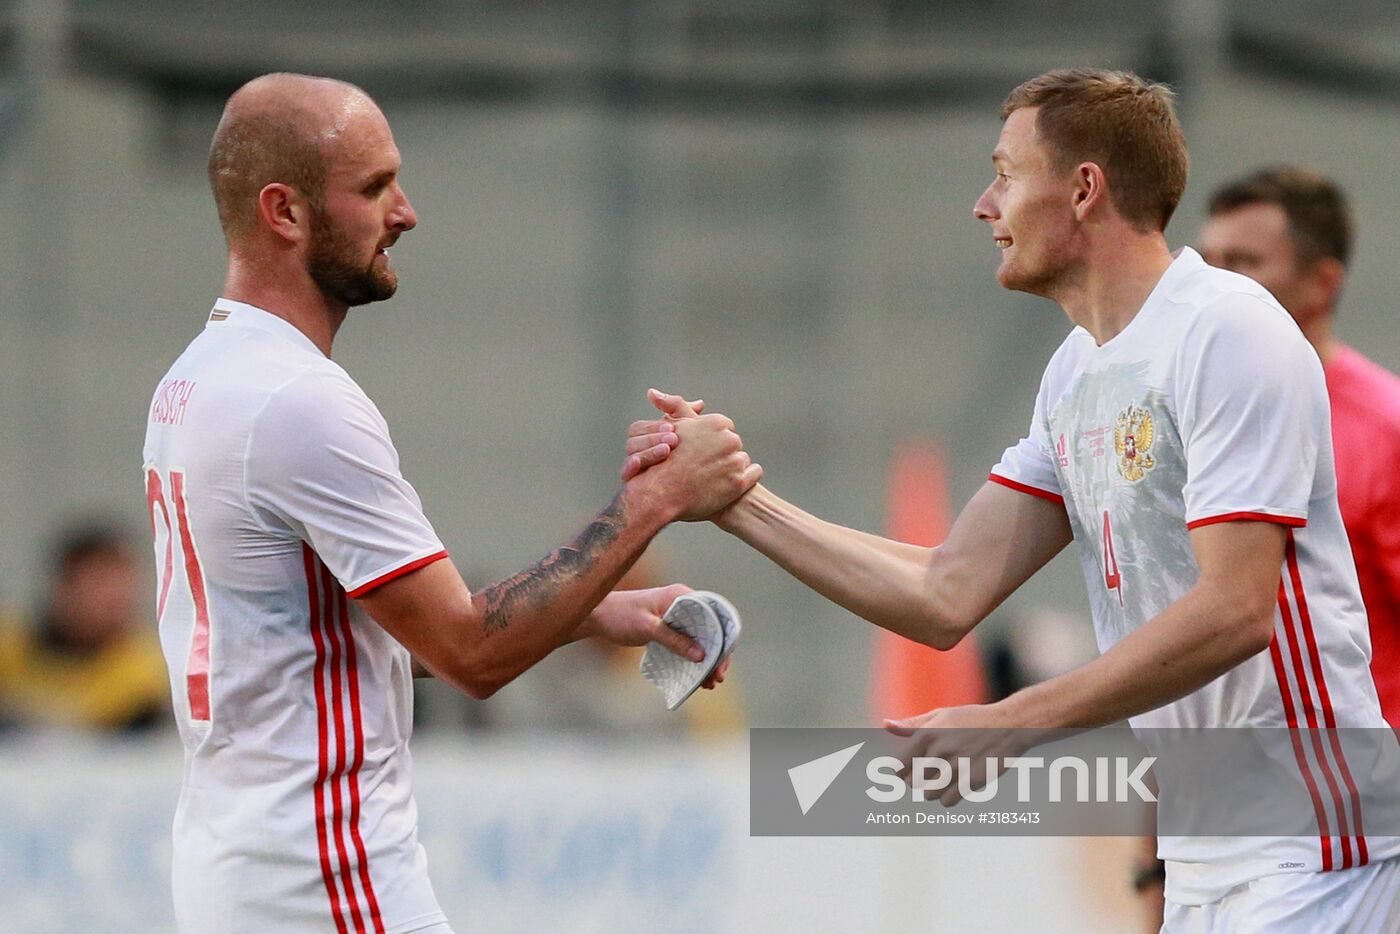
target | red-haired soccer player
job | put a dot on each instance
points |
(1179, 438)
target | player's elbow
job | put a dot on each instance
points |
(947, 608)
(930, 624)
(481, 688)
(1257, 632)
(1250, 636)
(945, 634)
(472, 660)
(477, 685)
(1250, 618)
(470, 669)
(477, 677)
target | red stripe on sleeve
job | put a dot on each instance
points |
(1055, 498)
(383, 579)
(1292, 521)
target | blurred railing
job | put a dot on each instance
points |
(540, 834)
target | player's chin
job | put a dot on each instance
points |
(384, 283)
(1016, 278)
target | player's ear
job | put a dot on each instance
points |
(1090, 188)
(284, 211)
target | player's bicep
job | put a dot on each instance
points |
(1001, 538)
(429, 612)
(1241, 563)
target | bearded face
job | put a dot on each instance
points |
(349, 272)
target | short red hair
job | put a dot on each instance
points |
(1124, 123)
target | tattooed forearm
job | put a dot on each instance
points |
(538, 585)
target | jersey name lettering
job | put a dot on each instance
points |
(171, 400)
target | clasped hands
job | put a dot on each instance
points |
(709, 470)
(710, 474)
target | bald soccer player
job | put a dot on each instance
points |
(297, 576)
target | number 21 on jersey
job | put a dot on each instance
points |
(178, 523)
(1112, 578)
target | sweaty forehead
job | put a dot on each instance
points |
(358, 139)
(345, 113)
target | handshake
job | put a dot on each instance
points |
(694, 464)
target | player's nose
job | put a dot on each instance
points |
(984, 209)
(403, 217)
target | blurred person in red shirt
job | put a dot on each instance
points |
(89, 660)
(1290, 229)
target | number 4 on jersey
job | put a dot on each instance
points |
(197, 668)
(1112, 579)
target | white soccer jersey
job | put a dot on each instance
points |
(274, 492)
(1210, 406)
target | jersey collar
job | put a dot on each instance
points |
(229, 313)
(1169, 287)
(1173, 281)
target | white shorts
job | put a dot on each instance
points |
(1351, 901)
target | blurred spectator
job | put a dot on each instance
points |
(1290, 229)
(87, 660)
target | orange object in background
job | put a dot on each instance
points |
(911, 678)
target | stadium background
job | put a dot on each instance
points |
(764, 204)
